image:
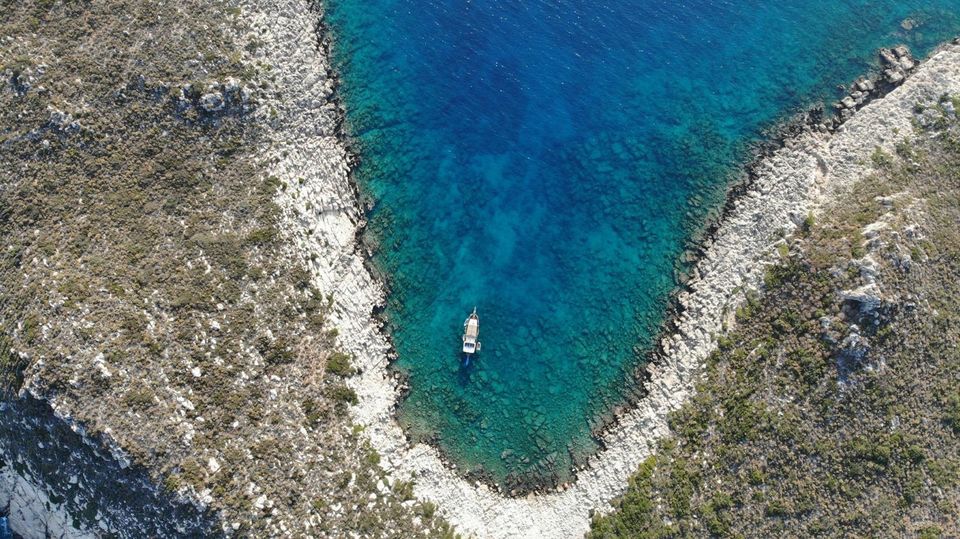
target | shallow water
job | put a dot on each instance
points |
(546, 162)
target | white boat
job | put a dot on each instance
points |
(471, 330)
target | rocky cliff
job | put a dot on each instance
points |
(58, 482)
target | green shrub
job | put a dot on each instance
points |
(952, 413)
(278, 352)
(427, 510)
(312, 412)
(880, 158)
(139, 398)
(340, 393)
(340, 364)
(262, 236)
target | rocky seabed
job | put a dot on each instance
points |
(324, 216)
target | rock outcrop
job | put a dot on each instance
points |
(56, 481)
(896, 64)
(216, 98)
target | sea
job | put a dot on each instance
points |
(547, 162)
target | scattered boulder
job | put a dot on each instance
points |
(232, 86)
(889, 58)
(868, 269)
(18, 81)
(212, 102)
(872, 235)
(216, 99)
(865, 299)
(896, 62)
(854, 346)
(61, 123)
(949, 108)
(852, 353)
(58, 118)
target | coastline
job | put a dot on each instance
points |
(324, 217)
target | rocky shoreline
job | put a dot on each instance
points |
(166, 364)
(896, 65)
(785, 185)
(208, 469)
(863, 91)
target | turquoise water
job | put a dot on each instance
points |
(546, 162)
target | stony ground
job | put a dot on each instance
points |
(833, 408)
(147, 290)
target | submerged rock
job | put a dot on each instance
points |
(889, 58)
(865, 85)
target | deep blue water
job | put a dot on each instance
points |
(545, 162)
(5, 532)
